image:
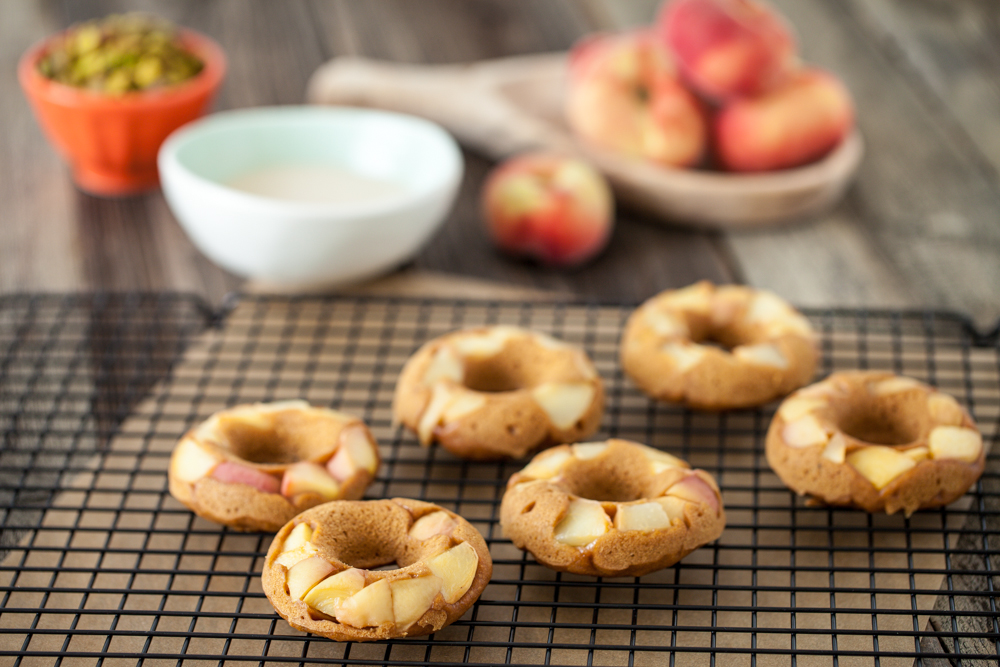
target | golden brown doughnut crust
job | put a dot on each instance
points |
(498, 392)
(772, 348)
(262, 445)
(359, 535)
(616, 508)
(876, 441)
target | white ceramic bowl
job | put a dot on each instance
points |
(296, 243)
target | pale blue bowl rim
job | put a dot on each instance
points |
(281, 116)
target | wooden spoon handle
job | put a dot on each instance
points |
(468, 100)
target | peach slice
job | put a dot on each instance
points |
(564, 403)
(661, 461)
(444, 365)
(918, 454)
(308, 477)
(230, 472)
(584, 522)
(293, 557)
(797, 406)
(664, 324)
(584, 366)
(356, 451)
(412, 598)
(791, 322)
(893, 385)
(879, 464)
(327, 595)
(486, 344)
(822, 390)
(369, 607)
(644, 516)
(549, 342)
(953, 442)
(696, 298)
(945, 410)
(547, 464)
(695, 490)
(804, 432)
(190, 462)
(299, 536)
(767, 307)
(684, 355)
(307, 573)
(585, 451)
(463, 402)
(674, 507)
(457, 569)
(836, 449)
(440, 398)
(259, 409)
(764, 354)
(430, 525)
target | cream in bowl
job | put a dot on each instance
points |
(301, 197)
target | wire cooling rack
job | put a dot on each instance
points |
(102, 567)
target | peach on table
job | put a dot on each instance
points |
(554, 209)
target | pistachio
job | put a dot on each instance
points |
(119, 54)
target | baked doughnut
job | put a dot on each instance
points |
(318, 572)
(614, 508)
(666, 347)
(254, 467)
(877, 441)
(497, 392)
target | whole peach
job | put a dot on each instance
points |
(554, 209)
(624, 96)
(728, 48)
(791, 126)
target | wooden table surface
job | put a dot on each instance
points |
(919, 228)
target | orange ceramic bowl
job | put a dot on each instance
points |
(111, 142)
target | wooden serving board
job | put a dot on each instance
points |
(511, 105)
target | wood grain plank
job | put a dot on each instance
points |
(39, 245)
(951, 51)
(444, 31)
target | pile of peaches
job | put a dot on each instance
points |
(713, 84)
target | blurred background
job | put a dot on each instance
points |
(919, 227)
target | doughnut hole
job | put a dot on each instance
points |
(725, 337)
(373, 539)
(727, 321)
(280, 437)
(896, 420)
(622, 478)
(491, 375)
(522, 364)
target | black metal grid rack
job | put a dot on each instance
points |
(102, 567)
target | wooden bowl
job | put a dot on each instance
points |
(512, 105)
